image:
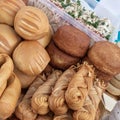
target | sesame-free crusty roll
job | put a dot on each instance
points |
(9, 98)
(24, 110)
(56, 100)
(31, 23)
(30, 58)
(89, 109)
(79, 87)
(8, 39)
(40, 97)
(8, 10)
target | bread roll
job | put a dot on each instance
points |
(44, 41)
(59, 59)
(106, 57)
(71, 40)
(9, 98)
(25, 79)
(31, 23)
(8, 10)
(30, 57)
(8, 39)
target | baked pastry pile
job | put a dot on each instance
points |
(48, 75)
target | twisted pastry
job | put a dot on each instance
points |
(6, 69)
(9, 97)
(89, 109)
(57, 99)
(24, 110)
(79, 87)
(40, 98)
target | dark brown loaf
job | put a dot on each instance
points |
(71, 40)
(106, 57)
(59, 59)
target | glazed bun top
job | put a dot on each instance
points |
(71, 40)
(8, 10)
(31, 23)
(106, 57)
(30, 57)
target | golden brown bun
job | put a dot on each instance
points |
(106, 57)
(8, 39)
(31, 23)
(8, 10)
(9, 98)
(44, 41)
(25, 79)
(71, 40)
(30, 57)
(59, 59)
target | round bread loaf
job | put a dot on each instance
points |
(71, 40)
(46, 39)
(59, 59)
(106, 57)
(30, 57)
(31, 23)
(8, 10)
(8, 39)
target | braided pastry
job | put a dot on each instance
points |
(40, 97)
(79, 87)
(89, 109)
(24, 110)
(57, 99)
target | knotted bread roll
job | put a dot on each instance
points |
(57, 102)
(79, 86)
(10, 87)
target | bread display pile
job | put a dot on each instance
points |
(48, 75)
